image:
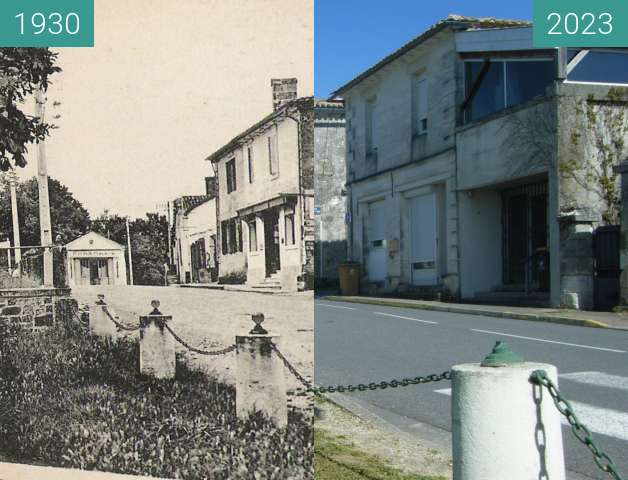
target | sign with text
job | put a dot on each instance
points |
(580, 23)
(46, 23)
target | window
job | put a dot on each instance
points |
(492, 86)
(597, 66)
(371, 144)
(249, 156)
(231, 236)
(252, 236)
(419, 96)
(290, 240)
(273, 160)
(231, 176)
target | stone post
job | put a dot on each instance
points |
(503, 426)
(157, 355)
(622, 169)
(99, 323)
(260, 378)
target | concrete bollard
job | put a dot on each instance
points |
(157, 354)
(260, 377)
(99, 323)
(503, 426)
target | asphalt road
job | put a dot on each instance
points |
(359, 343)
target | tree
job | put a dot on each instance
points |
(69, 218)
(149, 243)
(22, 72)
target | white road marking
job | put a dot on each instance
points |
(333, 306)
(405, 318)
(599, 379)
(550, 341)
(603, 421)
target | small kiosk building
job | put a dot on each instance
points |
(95, 260)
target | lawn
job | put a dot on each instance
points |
(337, 458)
(71, 400)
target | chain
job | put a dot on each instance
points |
(582, 433)
(118, 324)
(230, 348)
(360, 387)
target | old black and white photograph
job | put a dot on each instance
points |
(157, 246)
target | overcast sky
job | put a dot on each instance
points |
(168, 83)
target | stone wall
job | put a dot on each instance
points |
(30, 308)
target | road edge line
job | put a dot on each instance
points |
(469, 311)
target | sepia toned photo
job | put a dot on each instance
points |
(157, 244)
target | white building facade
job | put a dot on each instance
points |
(95, 260)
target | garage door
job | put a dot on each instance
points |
(422, 211)
(376, 238)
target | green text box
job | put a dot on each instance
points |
(46, 23)
(580, 23)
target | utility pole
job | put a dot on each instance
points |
(128, 241)
(169, 236)
(16, 219)
(44, 199)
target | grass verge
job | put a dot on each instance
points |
(336, 457)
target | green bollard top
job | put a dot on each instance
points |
(501, 356)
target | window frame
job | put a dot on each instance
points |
(290, 216)
(418, 127)
(504, 61)
(249, 155)
(230, 171)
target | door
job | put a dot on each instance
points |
(423, 240)
(94, 275)
(271, 241)
(376, 242)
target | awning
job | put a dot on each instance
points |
(281, 200)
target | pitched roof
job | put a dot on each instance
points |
(458, 22)
(189, 203)
(300, 103)
(93, 241)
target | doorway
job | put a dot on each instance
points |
(376, 242)
(423, 240)
(525, 237)
(271, 241)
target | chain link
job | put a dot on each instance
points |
(118, 324)
(360, 387)
(230, 348)
(581, 432)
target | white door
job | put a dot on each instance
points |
(422, 211)
(376, 238)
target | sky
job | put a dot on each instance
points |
(167, 83)
(353, 35)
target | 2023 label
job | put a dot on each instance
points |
(580, 23)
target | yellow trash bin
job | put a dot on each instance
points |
(349, 277)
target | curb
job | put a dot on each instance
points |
(470, 311)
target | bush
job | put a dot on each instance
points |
(79, 402)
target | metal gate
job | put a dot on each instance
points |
(607, 268)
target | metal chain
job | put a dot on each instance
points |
(230, 348)
(118, 324)
(582, 433)
(360, 387)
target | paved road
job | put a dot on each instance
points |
(362, 343)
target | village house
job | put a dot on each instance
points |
(194, 236)
(265, 197)
(475, 167)
(330, 193)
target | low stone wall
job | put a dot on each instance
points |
(31, 307)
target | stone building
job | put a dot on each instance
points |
(468, 152)
(95, 260)
(330, 194)
(194, 237)
(265, 197)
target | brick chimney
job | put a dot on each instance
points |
(210, 186)
(284, 91)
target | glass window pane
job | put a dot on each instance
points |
(489, 97)
(601, 67)
(527, 80)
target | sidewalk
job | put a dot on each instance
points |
(16, 471)
(552, 315)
